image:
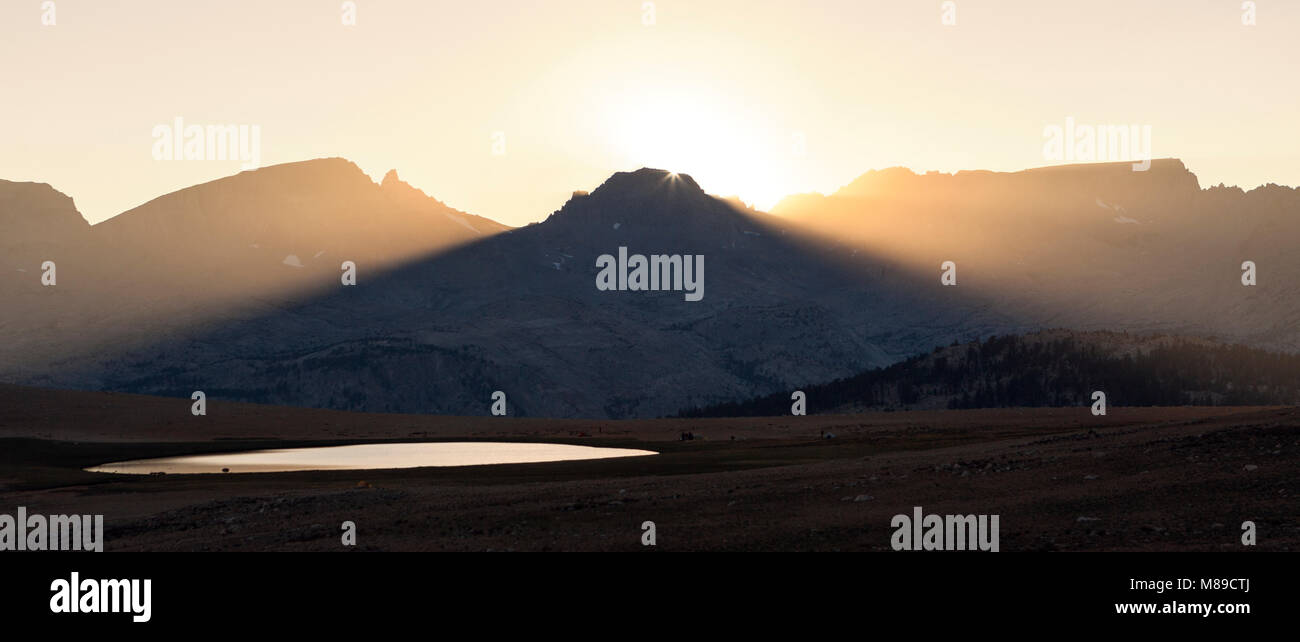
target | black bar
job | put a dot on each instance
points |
(898, 589)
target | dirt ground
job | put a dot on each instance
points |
(1060, 479)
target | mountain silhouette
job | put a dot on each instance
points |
(449, 307)
(230, 248)
(519, 311)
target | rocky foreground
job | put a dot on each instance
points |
(1157, 479)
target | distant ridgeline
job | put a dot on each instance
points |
(1052, 368)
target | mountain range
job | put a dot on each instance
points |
(233, 287)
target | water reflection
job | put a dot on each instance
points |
(367, 456)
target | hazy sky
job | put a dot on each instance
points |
(755, 98)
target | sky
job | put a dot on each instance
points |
(502, 108)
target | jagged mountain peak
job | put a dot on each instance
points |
(392, 180)
(399, 189)
(647, 181)
(651, 196)
(395, 186)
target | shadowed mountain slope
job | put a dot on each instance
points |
(238, 247)
(520, 312)
(200, 294)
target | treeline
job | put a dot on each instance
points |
(1051, 369)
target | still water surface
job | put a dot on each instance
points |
(367, 456)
